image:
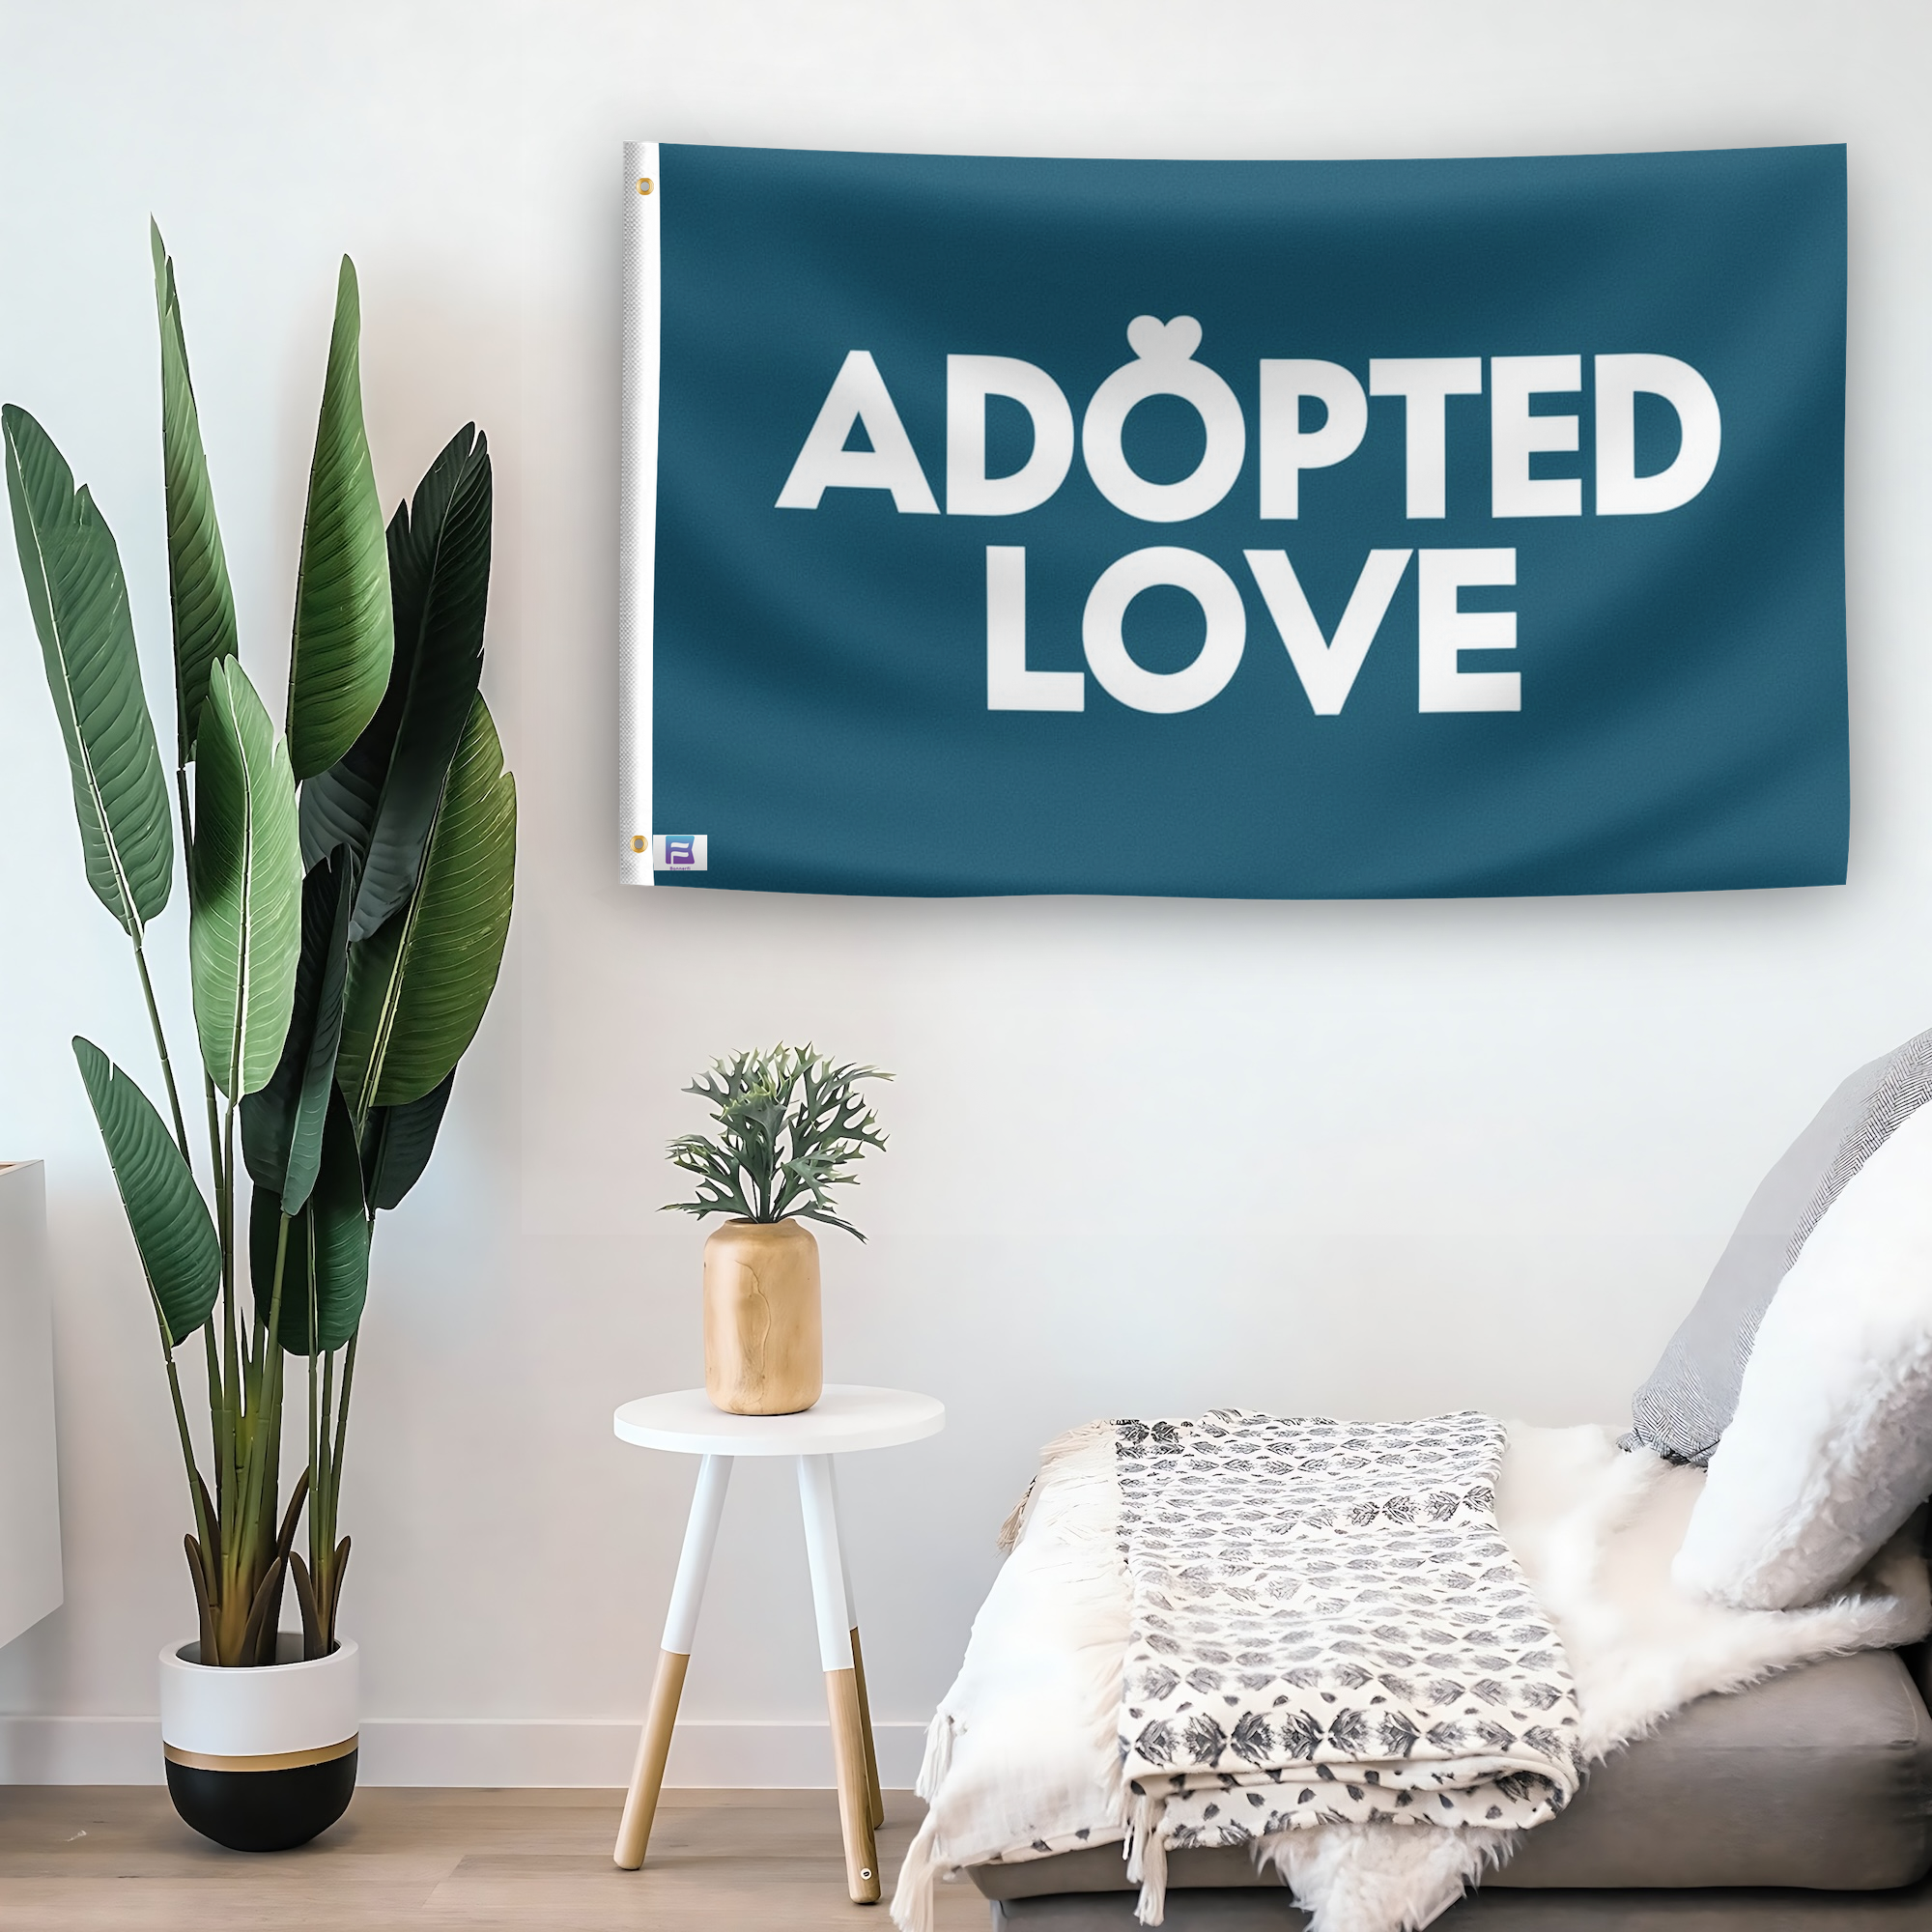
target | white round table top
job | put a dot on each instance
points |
(844, 1418)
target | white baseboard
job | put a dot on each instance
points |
(479, 1751)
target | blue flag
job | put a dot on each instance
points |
(1312, 529)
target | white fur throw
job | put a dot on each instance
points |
(1831, 1448)
(1023, 1755)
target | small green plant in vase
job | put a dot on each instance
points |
(791, 1126)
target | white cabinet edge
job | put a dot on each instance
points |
(30, 1548)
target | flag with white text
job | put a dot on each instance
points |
(1309, 530)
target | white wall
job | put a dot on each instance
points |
(1373, 1158)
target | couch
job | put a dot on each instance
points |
(1800, 1804)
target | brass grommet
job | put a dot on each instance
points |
(638, 841)
(644, 183)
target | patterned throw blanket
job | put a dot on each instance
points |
(1326, 1627)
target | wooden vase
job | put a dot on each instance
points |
(764, 1346)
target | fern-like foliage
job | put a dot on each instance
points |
(791, 1126)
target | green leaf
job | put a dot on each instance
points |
(244, 887)
(338, 806)
(326, 1266)
(344, 636)
(79, 601)
(792, 1125)
(380, 797)
(281, 1124)
(418, 987)
(397, 1144)
(176, 1238)
(198, 590)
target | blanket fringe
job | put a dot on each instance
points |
(912, 1896)
(1060, 1449)
(938, 1758)
(1146, 1857)
(1009, 1530)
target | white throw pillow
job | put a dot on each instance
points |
(1831, 1448)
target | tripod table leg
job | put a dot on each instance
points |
(694, 1563)
(841, 1683)
(874, 1795)
(878, 1800)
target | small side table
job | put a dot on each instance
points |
(844, 1418)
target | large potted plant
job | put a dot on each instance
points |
(349, 886)
(791, 1126)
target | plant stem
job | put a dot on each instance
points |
(214, 1142)
(232, 1418)
(187, 1449)
(231, 1358)
(316, 1435)
(342, 1420)
(215, 1417)
(219, 1421)
(271, 1367)
(161, 1048)
(322, 1520)
(265, 1368)
(328, 1537)
(244, 1565)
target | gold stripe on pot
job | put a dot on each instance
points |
(264, 1761)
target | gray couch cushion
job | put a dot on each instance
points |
(1819, 1778)
(1693, 1392)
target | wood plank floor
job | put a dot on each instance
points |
(115, 1858)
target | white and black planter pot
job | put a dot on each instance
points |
(264, 1759)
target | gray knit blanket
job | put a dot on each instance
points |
(1328, 1627)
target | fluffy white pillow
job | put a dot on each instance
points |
(1831, 1448)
